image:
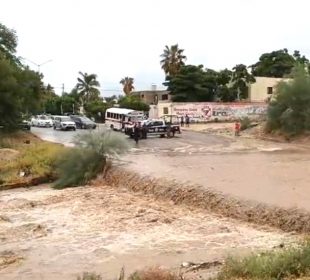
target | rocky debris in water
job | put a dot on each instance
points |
(24, 231)
(8, 258)
(21, 203)
(4, 218)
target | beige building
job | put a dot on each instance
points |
(152, 97)
(263, 89)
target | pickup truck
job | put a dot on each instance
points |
(154, 127)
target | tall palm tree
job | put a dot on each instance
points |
(127, 83)
(172, 60)
(87, 87)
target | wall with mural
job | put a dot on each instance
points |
(212, 111)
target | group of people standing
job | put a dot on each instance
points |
(186, 120)
(139, 131)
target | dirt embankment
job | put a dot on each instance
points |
(289, 220)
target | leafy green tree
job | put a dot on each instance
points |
(289, 111)
(224, 77)
(240, 80)
(87, 87)
(172, 60)
(53, 105)
(8, 44)
(96, 109)
(192, 84)
(226, 94)
(134, 103)
(127, 84)
(10, 101)
(277, 63)
(21, 89)
(31, 90)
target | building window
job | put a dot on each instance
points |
(164, 97)
(269, 90)
(142, 95)
(165, 110)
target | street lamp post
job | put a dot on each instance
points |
(38, 65)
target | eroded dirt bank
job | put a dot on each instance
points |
(50, 234)
(286, 219)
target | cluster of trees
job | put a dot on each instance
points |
(289, 111)
(23, 93)
(21, 89)
(195, 83)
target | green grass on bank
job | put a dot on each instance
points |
(23, 157)
(283, 263)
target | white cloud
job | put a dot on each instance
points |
(125, 38)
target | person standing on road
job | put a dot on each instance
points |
(137, 132)
(144, 131)
(182, 121)
(237, 128)
(187, 120)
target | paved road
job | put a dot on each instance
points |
(59, 136)
(267, 172)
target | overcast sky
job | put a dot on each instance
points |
(120, 38)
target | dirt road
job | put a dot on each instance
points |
(50, 234)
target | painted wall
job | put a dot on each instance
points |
(212, 111)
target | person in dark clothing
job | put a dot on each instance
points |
(187, 120)
(144, 131)
(137, 132)
(182, 121)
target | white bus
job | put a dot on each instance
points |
(117, 118)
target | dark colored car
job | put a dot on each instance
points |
(83, 122)
(25, 125)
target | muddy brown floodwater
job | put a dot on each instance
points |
(58, 234)
(249, 169)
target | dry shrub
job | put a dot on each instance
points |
(77, 167)
(90, 276)
(154, 273)
(92, 154)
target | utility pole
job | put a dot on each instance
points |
(63, 91)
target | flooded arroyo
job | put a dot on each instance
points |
(58, 234)
(127, 221)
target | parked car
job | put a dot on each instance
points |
(64, 123)
(83, 122)
(25, 125)
(154, 127)
(42, 121)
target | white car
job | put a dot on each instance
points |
(42, 121)
(64, 123)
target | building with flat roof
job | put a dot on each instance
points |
(152, 97)
(263, 89)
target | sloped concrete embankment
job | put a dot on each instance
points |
(289, 220)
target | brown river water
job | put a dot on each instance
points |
(58, 234)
